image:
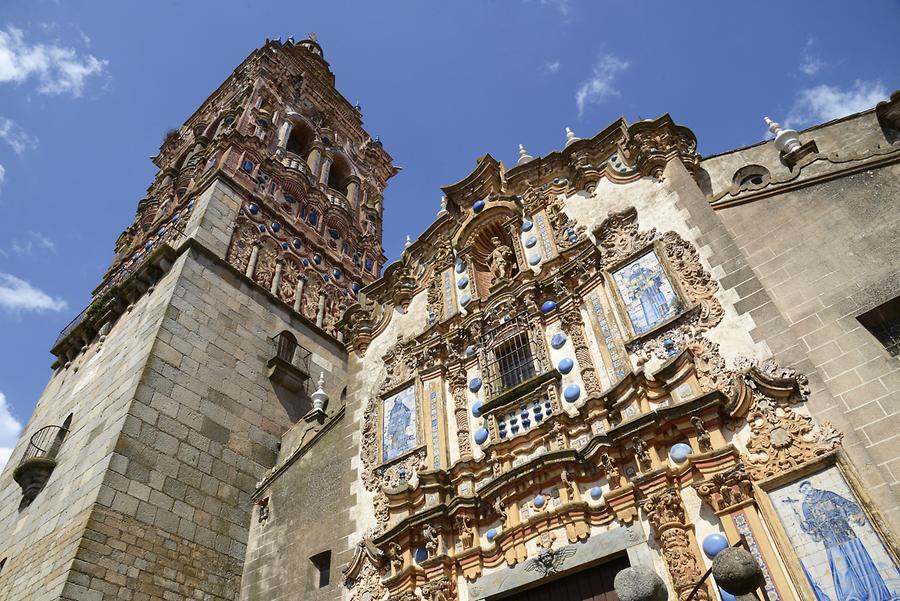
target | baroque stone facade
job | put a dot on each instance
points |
(586, 359)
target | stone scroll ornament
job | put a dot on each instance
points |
(666, 512)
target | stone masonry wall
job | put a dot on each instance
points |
(96, 389)
(204, 426)
(825, 254)
(309, 513)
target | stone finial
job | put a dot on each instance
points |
(639, 583)
(570, 137)
(524, 157)
(443, 210)
(408, 242)
(736, 571)
(786, 140)
(320, 397)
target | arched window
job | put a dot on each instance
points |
(339, 175)
(300, 139)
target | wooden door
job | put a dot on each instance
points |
(592, 584)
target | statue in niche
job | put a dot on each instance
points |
(395, 556)
(500, 260)
(703, 438)
(431, 539)
(466, 531)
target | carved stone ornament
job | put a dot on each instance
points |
(574, 325)
(550, 561)
(466, 531)
(613, 474)
(726, 490)
(665, 510)
(442, 589)
(703, 439)
(782, 438)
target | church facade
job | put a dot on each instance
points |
(618, 354)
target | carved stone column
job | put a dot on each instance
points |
(312, 161)
(276, 279)
(251, 265)
(461, 411)
(574, 327)
(665, 509)
(298, 295)
(320, 316)
(325, 170)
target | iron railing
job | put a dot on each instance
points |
(513, 356)
(45, 443)
(290, 351)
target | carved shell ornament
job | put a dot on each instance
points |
(782, 438)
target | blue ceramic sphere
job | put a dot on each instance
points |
(296, 242)
(356, 287)
(527, 225)
(465, 300)
(478, 206)
(470, 350)
(481, 435)
(534, 259)
(460, 267)
(474, 384)
(462, 282)
(317, 259)
(337, 273)
(679, 452)
(276, 226)
(539, 501)
(261, 227)
(284, 245)
(714, 544)
(491, 534)
(572, 392)
(253, 208)
(530, 241)
(596, 493)
(565, 365)
(558, 340)
(548, 306)
(421, 554)
(476, 409)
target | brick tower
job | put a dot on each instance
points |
(173, 388)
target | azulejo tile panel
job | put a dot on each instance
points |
(399, 423)
(646, 292)
(841, 553)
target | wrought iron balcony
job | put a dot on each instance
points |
(39, 461)
(289, 365)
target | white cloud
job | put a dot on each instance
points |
(824, 103)
(2, 174)
(601, 84)
(809, 62)
(551, 66)
(35, 239)
(10, 428)
(17, 138)
(58, 69)
(564, 7)
(18, 295)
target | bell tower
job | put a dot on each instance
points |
(173, 388)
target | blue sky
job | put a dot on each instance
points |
(88, 89)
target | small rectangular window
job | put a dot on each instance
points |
(883, 322)
(322, 565)
(514, 361)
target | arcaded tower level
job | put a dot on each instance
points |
(618, 354)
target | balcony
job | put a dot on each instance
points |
(39, 461)
(289, 364)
